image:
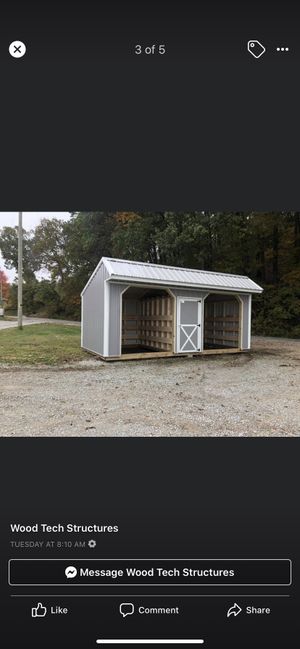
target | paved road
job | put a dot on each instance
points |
(8, 324)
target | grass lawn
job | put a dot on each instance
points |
(47, 344)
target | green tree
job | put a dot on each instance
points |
(46, 299)
(9, 249)
(89, 237)
(50, 245)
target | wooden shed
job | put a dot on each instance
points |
(138, 310)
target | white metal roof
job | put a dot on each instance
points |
(140, 272)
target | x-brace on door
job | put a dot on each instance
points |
(189, 325)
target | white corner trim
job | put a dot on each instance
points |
(249, 320)
(81, 335)
(121, 315)
(241, 302)
(106, 319)
(204, 296)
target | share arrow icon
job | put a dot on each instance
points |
(234, 610)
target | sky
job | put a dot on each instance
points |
(30, 220)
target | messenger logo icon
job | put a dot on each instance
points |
(71, 572)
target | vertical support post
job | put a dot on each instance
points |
(20, 272)
(106, 323)
(249, 320)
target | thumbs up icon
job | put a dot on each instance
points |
(39, 610)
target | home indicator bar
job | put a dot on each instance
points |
(127, 641)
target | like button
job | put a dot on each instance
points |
(39, 610)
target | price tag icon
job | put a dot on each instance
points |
(255, 48)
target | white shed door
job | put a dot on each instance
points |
(189, 325)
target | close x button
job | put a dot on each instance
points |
(17, 49)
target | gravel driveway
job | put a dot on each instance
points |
(255, 394)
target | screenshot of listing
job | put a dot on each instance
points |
(149, 324)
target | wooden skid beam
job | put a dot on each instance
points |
(153, 355)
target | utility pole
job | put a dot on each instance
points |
(20, 272)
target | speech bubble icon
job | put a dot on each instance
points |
(71, 572)
(126, 608)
